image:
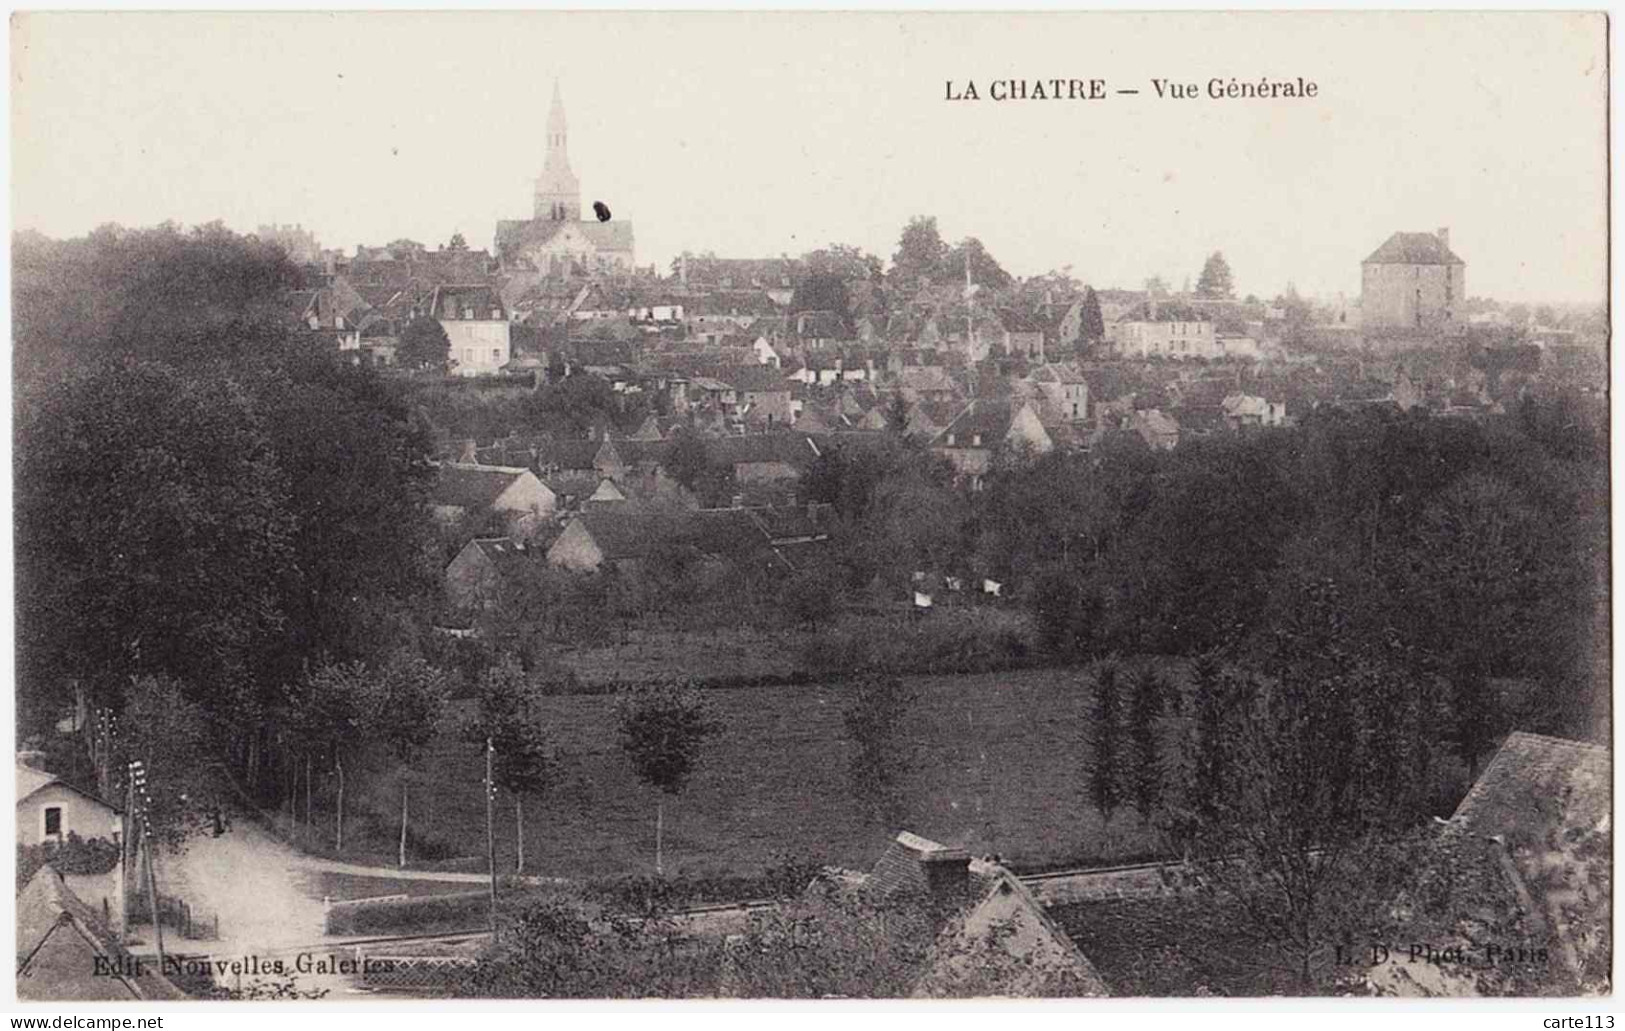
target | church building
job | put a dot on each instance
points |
(557, 240)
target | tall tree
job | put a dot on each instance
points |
(327, 711)
(175, 739)
(424, 344)
(1215, 280)
(1145, 709)
(663, 729)
(874, 717)
(897, 413)
(406, 700)
(1091, 324)
(510, 718)
(1105, 737)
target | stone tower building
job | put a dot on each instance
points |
(1413, 282)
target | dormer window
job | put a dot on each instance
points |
(950, 440)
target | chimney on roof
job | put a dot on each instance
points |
(1444, 239)
(912, 865)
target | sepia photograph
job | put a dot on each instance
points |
(810, 505)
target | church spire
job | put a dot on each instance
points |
(558, 192)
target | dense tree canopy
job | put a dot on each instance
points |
(153, 531)
(204, 495)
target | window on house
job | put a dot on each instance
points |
(496, 354)
(53, 821)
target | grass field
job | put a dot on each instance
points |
(957, 637)
(991, 762)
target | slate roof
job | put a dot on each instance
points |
(473, 487)
(639, 535)
(1532, 774)
(504, 553)
(989, 419)
(605, 236)
(1238, 406)
(797, 449)
(769, 273)
(1057, 372)
(1155, 421)
(1413, 249)
(1020, 322)
(927, 377)
(567, 454)
(1547, 803)
(732, 303)
(1007, 945)
(479, 298)
(756, 378)
(60, 938)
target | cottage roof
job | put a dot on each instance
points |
(31, 780)
(933, 414)
(1017, 321)
(505, 553)
(1529, 777)
(567, 454)
(768, 273)
(640, 535)
(1154, 420)
(757, 379)
(450, 301)
(473, 487)
(989, 420)
(1239, 405)
(927, 377)
(790, 448)
(60, 939)
(1413, 249)
(732, 304)
(1057, 372)
(1006, 944)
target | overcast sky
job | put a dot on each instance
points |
(756, 135)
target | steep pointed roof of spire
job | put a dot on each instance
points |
(555, 115)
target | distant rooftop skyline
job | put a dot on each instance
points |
(712, 133)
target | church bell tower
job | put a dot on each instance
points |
(558, 191)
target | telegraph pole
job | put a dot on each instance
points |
(490, 828)
(138, 786)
